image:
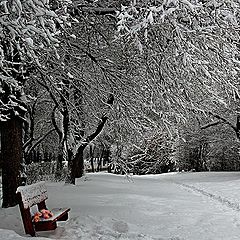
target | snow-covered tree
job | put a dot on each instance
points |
(191, 50)
(150, 155)
(169, 58)
(28, 34)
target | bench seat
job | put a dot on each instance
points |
(58, 214)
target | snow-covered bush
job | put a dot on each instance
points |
(152, 155)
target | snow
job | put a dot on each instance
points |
(33, 194)
(179, 206)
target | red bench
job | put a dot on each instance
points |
(36, 194)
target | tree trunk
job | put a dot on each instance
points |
(71, 169)
(79, 162)
(11, 145)
(59, 167)
(99, 167)
(78, 159)
(91, 157)
(238, 127)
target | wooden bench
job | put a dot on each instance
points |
(36, 194)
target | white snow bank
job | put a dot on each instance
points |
(185, 206)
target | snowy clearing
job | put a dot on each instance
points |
(103, 206)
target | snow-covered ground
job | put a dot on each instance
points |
(183, 206)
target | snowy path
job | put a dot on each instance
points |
(224, 201)
(196, 206)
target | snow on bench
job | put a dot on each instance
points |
(36, 194)
(33, 194)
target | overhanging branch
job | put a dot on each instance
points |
(39, 140)
(96, 10)
(210, 124)
(224, 120)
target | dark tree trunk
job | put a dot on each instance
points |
(238, 127)
(99, 167)
(71, 168)
(59, 167)
(91, 157)
(79, 162)
(78, 159)
(11, 145)
(77, 165)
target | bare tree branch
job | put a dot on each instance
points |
(224, 120)
(59, 132)
(41, 139)
(98, 130)
(211, 124)
(99, 10)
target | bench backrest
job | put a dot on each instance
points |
(33, 194)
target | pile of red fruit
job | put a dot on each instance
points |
(43, 214)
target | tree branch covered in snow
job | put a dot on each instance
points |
(152, 154)
(190, 48)
(28, 30)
